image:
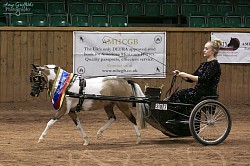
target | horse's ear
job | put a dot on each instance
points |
(34, 66)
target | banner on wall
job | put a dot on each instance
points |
(235, 47)
(130, 54)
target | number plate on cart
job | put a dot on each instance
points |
(159, 106)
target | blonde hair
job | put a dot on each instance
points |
(216, 44)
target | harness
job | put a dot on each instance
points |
(82, 84)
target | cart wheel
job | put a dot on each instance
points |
(210, 122)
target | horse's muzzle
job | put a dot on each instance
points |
(34, 94)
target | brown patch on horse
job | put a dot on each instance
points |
(120, 88)
(116, 87)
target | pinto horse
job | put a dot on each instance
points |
(45, 76)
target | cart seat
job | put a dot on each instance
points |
(153, 93)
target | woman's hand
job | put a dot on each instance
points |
(185, 76)
(180, 74)
(176, 72)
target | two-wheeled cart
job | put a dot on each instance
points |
(208, 121)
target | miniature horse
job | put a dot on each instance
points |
(106, 86)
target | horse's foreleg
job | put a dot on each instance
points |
(76, 120)
(111, 118)
(58, 115)
(49, 124)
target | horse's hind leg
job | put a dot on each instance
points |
(76, 120)
(124, 107)
(111, 118)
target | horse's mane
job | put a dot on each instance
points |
(110, 78)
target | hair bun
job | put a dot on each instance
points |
(218, 42)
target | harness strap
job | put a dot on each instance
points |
(82, 84)
(134, 91)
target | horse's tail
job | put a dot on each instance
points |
(140, 107)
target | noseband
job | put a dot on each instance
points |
(37, 80)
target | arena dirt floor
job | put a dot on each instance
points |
(22, 123)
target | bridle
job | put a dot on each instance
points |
(38, 82)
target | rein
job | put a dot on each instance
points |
(169, 92)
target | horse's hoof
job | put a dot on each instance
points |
(99, 135)
(138, 141)
(40, 141)
(86, 143)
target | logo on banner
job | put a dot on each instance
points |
(157, 69)
(233, 45)
(81, 70)
(158, 39)
(81, 38)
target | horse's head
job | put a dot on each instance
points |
(234, 43)
(40, 76)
